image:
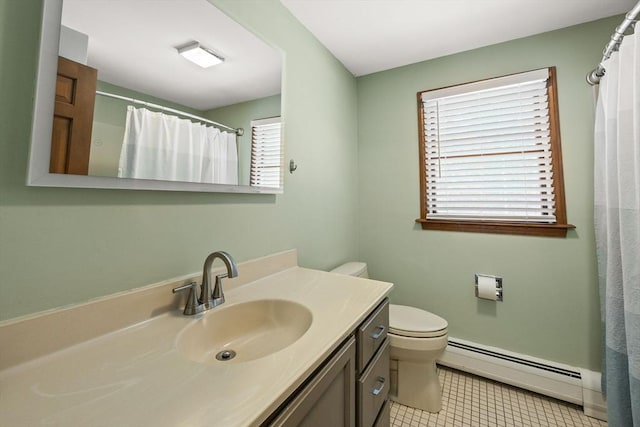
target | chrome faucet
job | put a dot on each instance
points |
(212, 299)
(208, 299)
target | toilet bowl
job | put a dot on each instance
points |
(417, 339)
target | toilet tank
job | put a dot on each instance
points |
(358, 269)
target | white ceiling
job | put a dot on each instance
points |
(133, 44)
(375, 35)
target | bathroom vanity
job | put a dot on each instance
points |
(351, 387)
(135, 359)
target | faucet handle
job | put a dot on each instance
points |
(184, 287)
(218, 294)
(192, 306)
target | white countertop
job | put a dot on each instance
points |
(136, 377)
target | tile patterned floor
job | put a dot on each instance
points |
(469, 400)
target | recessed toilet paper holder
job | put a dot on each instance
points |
(498, 284)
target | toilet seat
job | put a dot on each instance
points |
(415, 323)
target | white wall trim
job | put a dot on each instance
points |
(564, 382)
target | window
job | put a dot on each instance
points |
(266, 153)
(490, 158)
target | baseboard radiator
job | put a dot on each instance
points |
(568, 383)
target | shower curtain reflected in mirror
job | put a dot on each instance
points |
(165, 147)
(617, 225)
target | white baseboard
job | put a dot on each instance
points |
(567, 383)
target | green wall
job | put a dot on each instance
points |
(60, 246)
(550, 307)
(355, 195)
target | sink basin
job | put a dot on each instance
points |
(243, 332)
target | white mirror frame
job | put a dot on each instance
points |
(40, 153)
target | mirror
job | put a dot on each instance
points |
(139, 61)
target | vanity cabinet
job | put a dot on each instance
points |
(351, 387)
(329, 398)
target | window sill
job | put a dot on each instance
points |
(543, 230)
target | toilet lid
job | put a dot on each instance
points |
(413, 322)
(351, 268)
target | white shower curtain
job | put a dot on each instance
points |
(617, 224)
(165, 147)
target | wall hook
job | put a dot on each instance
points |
(292, 166)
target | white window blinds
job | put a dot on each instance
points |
(487, 149)
(266, 153)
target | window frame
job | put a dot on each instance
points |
(557, 229)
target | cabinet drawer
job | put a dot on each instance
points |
(371, 334)
(373, 387)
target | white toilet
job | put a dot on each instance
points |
(417, 338)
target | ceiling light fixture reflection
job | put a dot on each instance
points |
(200, 55)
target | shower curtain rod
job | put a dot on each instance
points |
(593, 78)
(238, 132)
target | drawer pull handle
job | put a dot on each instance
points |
(382, 328)
(376, 391)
